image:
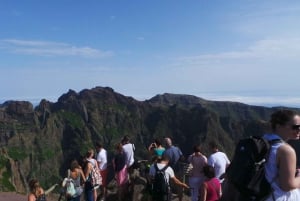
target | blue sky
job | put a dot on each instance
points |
(237, 50)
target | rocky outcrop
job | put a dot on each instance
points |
(44, 139)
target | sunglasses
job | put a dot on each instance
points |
(296, 127)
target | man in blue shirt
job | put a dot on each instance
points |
(175, 155)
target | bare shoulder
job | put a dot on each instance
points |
(31, 197)
(286, 150)
(79, 170)
(89, 166)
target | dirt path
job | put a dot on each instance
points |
(11, 196)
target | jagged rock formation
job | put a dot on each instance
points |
(39, 142)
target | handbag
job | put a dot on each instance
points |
(69, 187)
(188, 169)
(78, 190)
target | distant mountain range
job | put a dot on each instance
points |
(40, 141)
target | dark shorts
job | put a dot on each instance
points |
(161, 197)
(166, 197)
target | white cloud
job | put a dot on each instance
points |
(269, 9)
(267, 18)
(46, 48)
(275, 100)
(270, 49)
(263, 69)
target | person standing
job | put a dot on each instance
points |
(128, 149)
(36, 191)
(210, 189)
(196, 178)
(156, 148)
(280, 168)
(102, 164)
(218, 160)
(175, 155)
(120, 168)
(162, 164)
(76, 174)
(90, 163)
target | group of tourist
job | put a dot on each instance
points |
(122, 166)
(206, 176)
(81, 174)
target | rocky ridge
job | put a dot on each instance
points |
(39, 142)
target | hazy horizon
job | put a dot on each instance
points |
(246, 51)
(271, 101)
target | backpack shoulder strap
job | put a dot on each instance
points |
(275, 141)
(163, 169)
(69, 173)
(156, 167)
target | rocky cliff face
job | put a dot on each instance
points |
(40, 142)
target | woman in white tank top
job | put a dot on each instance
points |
(281, 165)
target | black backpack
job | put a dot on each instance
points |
(160, 185)
(246, 171)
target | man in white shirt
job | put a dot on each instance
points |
(128, 149)
(102, 164)
(169, 173)
(218, 160)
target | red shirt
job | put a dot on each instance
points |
(213, 187)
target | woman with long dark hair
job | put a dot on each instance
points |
(36, 191)
(77, 175)
(121, 173)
